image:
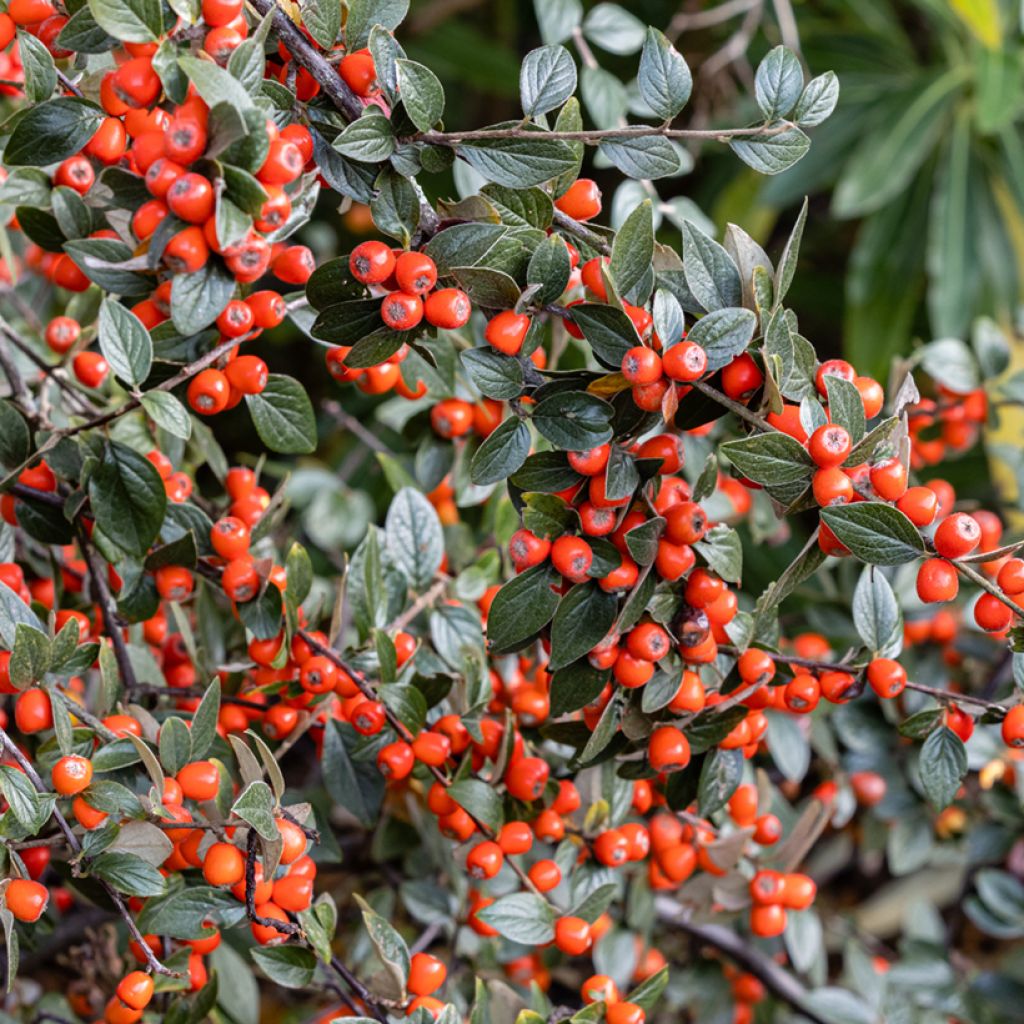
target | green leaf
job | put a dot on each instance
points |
(711, 274)
(495, 375)
(175, 745)
(877, 615)
(942, 766)
(547, 515)
(723, 552)
(845, 406)
(952, 364)
(83, 35)
(396, 206)
(364, 14)
(30, 656)
(818, 100)
(299, 573)
(322, 19)
(493, 289)
(288, 966)
(520, 162)
(522, 917)
(283, 416)
(216, 84)
(778, 83)
(369, 138)
(421, 92)
(51, 132)
(547, 472)
(130, 21)
(557, 18)
(71, 213)
(576, 686)
(480, 800)
(608, 330)
(550, 268)
(772, 154)
(356, 785)
(23, 798)
(614, 29)
(547, 79)
(874, 532)
(642, 540)
(37, 63)
(390, 946)
(574, 420)
(204, 721)
(255, 805)
(125, 343)
(720, 775)
(502, 452)
(789, 747)
(197, 299)
(774, 458)
(520, 207)
(100, 260)
(648, 992)
(664, 79)
(414, 537)
(633, 249)
(128, 498)
(168, 413)
(522, 608)
(646, 156)
(582, 621)
(604, 96)
(723, 335)
(15, 440)
(129, 874)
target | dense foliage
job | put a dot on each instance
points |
(557, 630)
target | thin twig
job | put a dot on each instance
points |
(108, 610)
(774, 978)
(595, 136)
(733, 406)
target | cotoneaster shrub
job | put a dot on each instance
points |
(564, 738)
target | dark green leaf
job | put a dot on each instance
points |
(522, 917)
(522, 608)
(942, 766)
(283, 416)
(574, 420)
(633, 249)
(128, 498)
(874, 532)
(502, 452)
(52, 131)
(125, 343)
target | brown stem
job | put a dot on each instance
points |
(108, 610)
(733, 406)
(778, 981)
(596, 136)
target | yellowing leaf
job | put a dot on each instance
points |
(612, 384)
(982, 19)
